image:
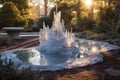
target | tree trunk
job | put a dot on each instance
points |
(90, 14)
(46, 7)
(78, 11)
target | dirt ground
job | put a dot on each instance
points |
(91, 72)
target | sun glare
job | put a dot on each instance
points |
(1, 5)
(88, 2)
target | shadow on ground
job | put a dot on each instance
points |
(21, 43)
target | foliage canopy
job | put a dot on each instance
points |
(10, 15)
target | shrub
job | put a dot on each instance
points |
(46, 20)
(7, 72)
(35, 28)
(66, 12)
(30, 22)
(86, 24)
(99, 29)
(27, 29)
(10, 15)
(31, 26)
(3, 41)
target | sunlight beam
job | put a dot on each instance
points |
(88, 2)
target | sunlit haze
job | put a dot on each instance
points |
(39, 2)
(88, 2)
(36, 2)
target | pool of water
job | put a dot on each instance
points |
(43, 60)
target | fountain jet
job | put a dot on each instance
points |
(56, 38)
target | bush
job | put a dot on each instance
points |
(46, 20)
(3, 41)
(28, 29)
(100, 29)
(30, 22)
(7, 72)
(66, 12)
(86, 24)
(10, 16)
(35, 28)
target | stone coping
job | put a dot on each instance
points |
(13, 28)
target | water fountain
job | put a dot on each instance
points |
(57, 39)
(58, 49)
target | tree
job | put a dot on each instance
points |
(22, 5)
(109, 17)
(46, 7)
(78, 10)
(10, 15)
(65, 10)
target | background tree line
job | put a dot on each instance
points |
(103, 16)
